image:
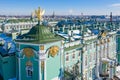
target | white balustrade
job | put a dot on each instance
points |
(71, 44)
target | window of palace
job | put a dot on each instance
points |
(90, 46)
(104, 51)
(67, 57)
(73, 56)
(67, 68)
(94, 56)
(17, 27)
(90, 57)
(86, 76)
(29, 71)
(86, 48)
(114, 38)
(79, 67)
(6, 27)
(94, 45)
(79, 54)
(90, 73)
(99, 53)
(107, 49)
(86, 61)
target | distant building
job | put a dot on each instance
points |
(10, 25)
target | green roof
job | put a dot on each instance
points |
(18, 20)
(39, 34)
(73, 47)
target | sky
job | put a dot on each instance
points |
(60, 7)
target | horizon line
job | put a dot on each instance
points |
(58, 15)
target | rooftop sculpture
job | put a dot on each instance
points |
(39, 13)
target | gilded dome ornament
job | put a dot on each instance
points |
(53, 51)
(39, 13)
(28, 52)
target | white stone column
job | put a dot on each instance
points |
(61, 58)
(45, 75)
(100, 68)
(97, 61)
(39, 68)
(83, 64)
(97, 68)
(42, 57)
(19, 68)
(111, 71)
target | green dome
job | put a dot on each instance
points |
(39, 34)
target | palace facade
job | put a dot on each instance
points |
(72, 50)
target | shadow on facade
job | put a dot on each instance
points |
(1, 78)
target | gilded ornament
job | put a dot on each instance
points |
(29, 63)
(53, 50)
(42, 47)
(39, 13)
(108, 40)
(28, 52)
(42, 65)
(104, 34)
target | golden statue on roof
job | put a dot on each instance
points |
(39, 13)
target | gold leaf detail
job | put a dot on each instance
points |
(28, 52)
(53, 50)
(39, 13)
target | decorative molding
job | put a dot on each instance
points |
(53, 50)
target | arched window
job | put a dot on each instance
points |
(29, 69)
(90, 57)
(73, 55)
(67, 57)
(86, 61)
(79, 54)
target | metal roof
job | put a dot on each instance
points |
(5, 49)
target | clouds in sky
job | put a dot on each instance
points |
(115, 5)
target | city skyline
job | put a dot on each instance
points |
(60, 7)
